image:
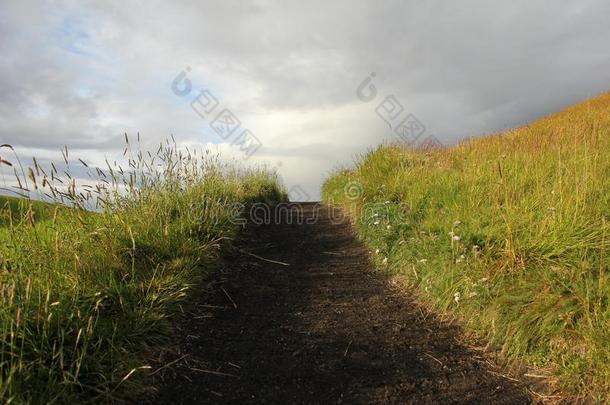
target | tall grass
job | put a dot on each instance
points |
(510, 231)
(90, 279)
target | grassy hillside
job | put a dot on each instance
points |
(12, 209)
(511, 232)
(85, 296)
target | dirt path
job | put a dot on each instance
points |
(325, 329)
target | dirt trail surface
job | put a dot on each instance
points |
(324, 329)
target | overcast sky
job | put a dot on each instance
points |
(83, 73)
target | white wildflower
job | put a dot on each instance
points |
(376, 251)
(476, 250)
(385, 261)
(423, 260)
(376, 223)
(456, 297)
(472, 294)
(388, 227)
(456, 238)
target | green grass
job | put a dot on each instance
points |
(86, 297)
(511, 232)
(12, 209)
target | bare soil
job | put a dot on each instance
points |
(324, 329)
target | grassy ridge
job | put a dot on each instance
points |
(86, 296)
(511, 231)
(13, 209)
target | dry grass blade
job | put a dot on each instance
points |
(199, 370)
(263, 259)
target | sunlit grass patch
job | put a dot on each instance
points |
(510, 231)
(90, 279)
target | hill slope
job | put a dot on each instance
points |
(509, 231)
(12, 208)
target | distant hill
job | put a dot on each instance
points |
(16, 207)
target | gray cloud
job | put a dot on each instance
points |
(82, 74)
